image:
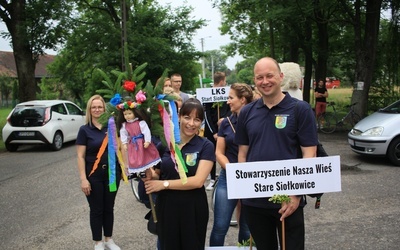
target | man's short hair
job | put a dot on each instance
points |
(175, 74)
(218, 76)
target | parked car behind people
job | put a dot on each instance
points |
(50, 122)
(378, 134)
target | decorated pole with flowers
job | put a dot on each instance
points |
(136, 136)
(280, 199)
(159, 112)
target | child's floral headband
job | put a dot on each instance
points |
(128, 105)
(117, 99)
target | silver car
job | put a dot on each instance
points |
(378, 134)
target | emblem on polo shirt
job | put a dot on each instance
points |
(191, 159)
(280, 121)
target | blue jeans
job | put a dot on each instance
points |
(223, 210)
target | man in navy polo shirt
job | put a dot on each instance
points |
(267, 130)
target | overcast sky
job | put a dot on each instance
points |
(202, 9)
(213, 40)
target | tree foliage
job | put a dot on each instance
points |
(156, 35)
(330, 38)
(6, 86)
(215, 60)
(33, 27)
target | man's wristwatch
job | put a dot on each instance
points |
(166, 184)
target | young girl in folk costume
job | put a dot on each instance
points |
(136, 138)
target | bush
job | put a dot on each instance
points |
(3, 119)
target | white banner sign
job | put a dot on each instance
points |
(290, 177)
(205, 95)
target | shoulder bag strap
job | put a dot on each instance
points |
(233, 129)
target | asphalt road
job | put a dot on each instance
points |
(42, 206)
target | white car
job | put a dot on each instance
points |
(50, 122)
(378, 134)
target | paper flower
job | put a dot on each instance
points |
(140, 97)
(116, 100)
(160, 96)
(127, 105)
(129, 86)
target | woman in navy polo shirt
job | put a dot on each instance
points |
(182, 209)
(227, 152)
(96, 185)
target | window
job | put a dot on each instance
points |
(73, 110)
(59, 108)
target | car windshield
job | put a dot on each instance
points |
(28, 116)
(393, 108)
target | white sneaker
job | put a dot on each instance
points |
(209, 177)
(110, 245)
(210, 185)
(99, 246)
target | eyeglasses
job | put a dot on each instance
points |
(98, 108)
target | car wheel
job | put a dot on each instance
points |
(393, 152)
(57, 141)
(11, 147)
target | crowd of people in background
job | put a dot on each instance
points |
(182, 209)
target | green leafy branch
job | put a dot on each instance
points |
(280, 198)
(217, 104)
(111, 88)
(248, 242)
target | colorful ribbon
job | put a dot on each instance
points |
(121, 162)
(170, 138)
(112, 148)
(182, 169)
(175, 121)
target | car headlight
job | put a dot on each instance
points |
(377, 131)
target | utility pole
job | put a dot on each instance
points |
(203, 59)
(212, 67)
(123, 35)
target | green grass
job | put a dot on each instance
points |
(3, 119)
(341, 97)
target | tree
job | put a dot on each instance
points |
(6, 85)
(33, 27)
(215, 60)
(386, 82)
(246, 22)
(245, 71)
(157, 35)
(364, 18)
(318, 28)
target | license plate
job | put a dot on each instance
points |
(351, 142)
(24, 134)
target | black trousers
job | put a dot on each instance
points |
(101, 203)
(182, 219)
(265, 228)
